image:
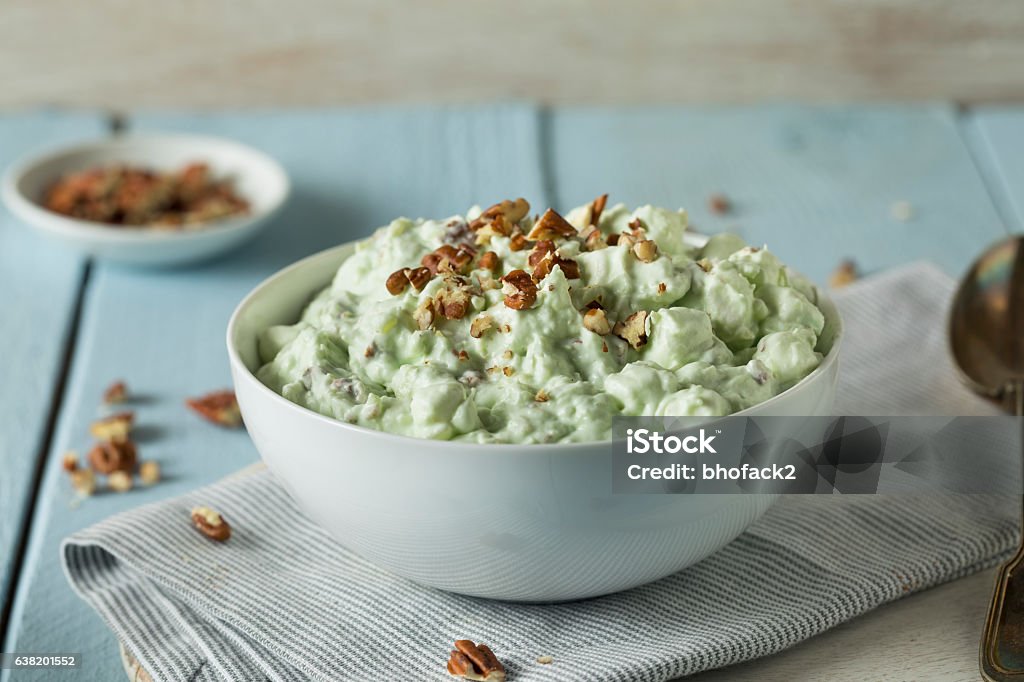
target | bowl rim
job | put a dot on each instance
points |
(31, 212)
(239, 369)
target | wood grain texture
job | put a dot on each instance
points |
(38, 287)
(163, 332)
(218, 54)
(814, 184)
(999, 136)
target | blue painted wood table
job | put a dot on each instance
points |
(815, 184)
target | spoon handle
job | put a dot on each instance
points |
(1002, 646)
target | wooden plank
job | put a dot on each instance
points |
(39, 285)
(998, 137)
(815, 184)
(329, 52)
(163, 331)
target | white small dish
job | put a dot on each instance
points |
(528, 523)
(257, 177)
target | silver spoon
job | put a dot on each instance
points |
(986, 332)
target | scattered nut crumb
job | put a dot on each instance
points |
(843, 275)
(117, 392)
(719, 204)
(902, 211)
(544, 660)
(115, 427)
(219, 407)
(475, 662)
(83, 481)
(542, 396)
(69, 462)
(149, 472)
(211, 524)
(119, 481)
(113, 455)
(480, 325)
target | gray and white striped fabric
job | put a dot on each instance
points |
(282, 601)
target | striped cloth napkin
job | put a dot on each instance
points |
(282, 601)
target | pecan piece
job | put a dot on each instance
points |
(397, 281)
(719, 204)
(119, 481)
(211, 524)
(117, 392)
(545, 248)
(550, 226)
(475, 662)
(646, 250)
(69, 462)
(519, 289)
(518, 242)
(593, 239)
(595, 320)
(110, 456)
(453, 302)
(115, 427)
(418, 277)
(149, 472)
(219, 407)
(424, 315)
(597, 208)
(83, 481)
(480, 325)
(512, 211)
(447, 258)
(633, 330)
(490, 261)
(843, 275)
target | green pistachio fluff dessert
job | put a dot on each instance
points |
(503, 328)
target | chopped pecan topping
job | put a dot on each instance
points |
(843, 275)
(480, 325)
(518, 242)
(596, 320)
(475, 662)
(370, 351)
(115, 427)
(545, 248)
(448, 258)
(542, 396)
(626, 239)
(507, 371)
(633, 330)
(519, 289)
(512, 211)
(613, 240)
(110, 456)
(462, 356)
(424, 315)
(551, 226)
(117, 392)
(704, 264)
(397, 281)
(604, 346)
(418, 277)
(646, 250)
(211, 524)
(219, 407)
(490, 261)
(597, 208)
(637, 228)
(593, 239)
(662, 287)
(454, 300)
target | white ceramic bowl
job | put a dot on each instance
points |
(516, 522)
(258, 178)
